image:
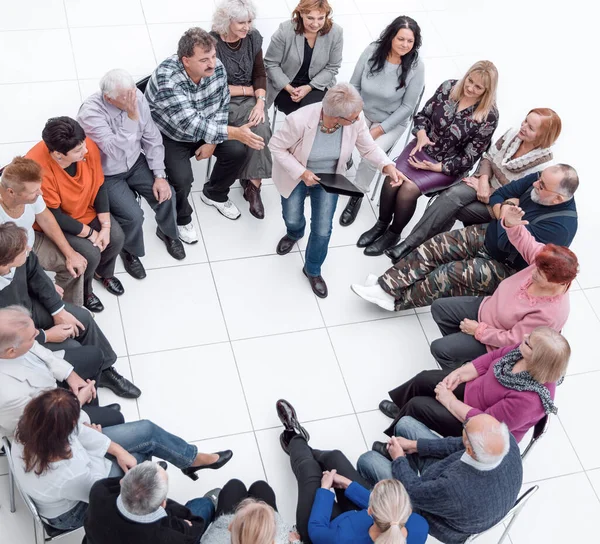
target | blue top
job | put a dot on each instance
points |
(353, 527)
(559, 229)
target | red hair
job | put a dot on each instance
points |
(559, 264)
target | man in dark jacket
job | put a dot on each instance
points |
(136, 509)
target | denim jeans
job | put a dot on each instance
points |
(203, 508)
(71, 520)
(322, 206)
(143, 439)
(374, 467)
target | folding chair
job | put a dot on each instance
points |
(538, 431)
(513, 514)
(406, 133)
(142, 84)
(42, 531)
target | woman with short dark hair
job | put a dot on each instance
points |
(73, 190)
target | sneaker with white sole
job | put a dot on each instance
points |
(187, 233)
(371, 280)
(375, 295)
(227, 209)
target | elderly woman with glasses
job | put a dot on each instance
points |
(515, 384)
(319, 139)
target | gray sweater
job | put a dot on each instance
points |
(455, 498)
(383, 103)
(218, 532)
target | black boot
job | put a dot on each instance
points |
(351, 211)
(367, 238)
(389, 239)
(398, 252)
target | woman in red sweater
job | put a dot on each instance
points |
(514, 384)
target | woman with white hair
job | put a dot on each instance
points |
(239, 48)
(319, 139)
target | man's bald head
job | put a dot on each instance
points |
(489, 439)
(16, 328)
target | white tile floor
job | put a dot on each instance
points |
(214, 340)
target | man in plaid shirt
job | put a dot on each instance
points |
(189, 101)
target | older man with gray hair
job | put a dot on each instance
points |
(118, 119)
(136, 509)
(319, 139)
(462, 485)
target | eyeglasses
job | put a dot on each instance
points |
(351, 121)
(526, 342)
(543, 187)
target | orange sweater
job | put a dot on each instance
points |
(73, 195)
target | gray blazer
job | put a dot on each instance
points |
(286, 53)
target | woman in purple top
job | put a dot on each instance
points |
(452, 131)
(514, 384)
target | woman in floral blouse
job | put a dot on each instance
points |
(452, 131)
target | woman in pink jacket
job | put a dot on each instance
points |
(536, 296)
(514, 384)
(319, 139)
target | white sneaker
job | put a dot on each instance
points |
(187, 233)
(228, 209)
(374, 294)
(371, 280)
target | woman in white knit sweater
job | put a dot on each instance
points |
(390, 77)
(518, 153)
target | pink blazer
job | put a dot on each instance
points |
(291, 145)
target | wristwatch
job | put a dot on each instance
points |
(508, 203)
(263, 98)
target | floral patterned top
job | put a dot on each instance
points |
(458, 140)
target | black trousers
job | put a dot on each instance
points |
(87, 363)
(416, 398)
(91, 336)
(285, 103)
(231, 157)
(308, 466)
(234, 492)
(455, 348)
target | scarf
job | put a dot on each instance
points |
(510, 147)
(522, 381)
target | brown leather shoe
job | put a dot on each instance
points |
(317, 284)
(252, 195)
(285, 245)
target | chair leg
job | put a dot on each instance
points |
(11, 491)
(208, 167)
(510, 524)
(274, 119)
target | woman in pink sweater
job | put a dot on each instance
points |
(514, 384)
(536, 296)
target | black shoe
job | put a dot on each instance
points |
(213, 496)
(174, 245)
(389, 239)
(113, 406)
(389, 409)
(287, 415)
(133, 265)
(224, 458)
(118, 384)
(112, 285)
(350, 211)
(285, 245)
(162, 464)
(398, 252)
(381, 448)
(317, 284)
(285, 438)
(93, 303)
(367, 238)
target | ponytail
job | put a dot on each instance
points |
(390, 509)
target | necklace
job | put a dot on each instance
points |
(234, 47)
(327, 130)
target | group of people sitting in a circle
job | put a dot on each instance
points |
(498, 288)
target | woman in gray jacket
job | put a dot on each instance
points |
(390, 78)
(304, 57)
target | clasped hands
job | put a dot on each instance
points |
(332, 479)
(298, 93)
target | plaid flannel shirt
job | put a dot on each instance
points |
(187, 112)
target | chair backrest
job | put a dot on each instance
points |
(512, 515)
(538, 431)
(143, 83)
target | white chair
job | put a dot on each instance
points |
(512, 514)
(42, 532)
(408, 135)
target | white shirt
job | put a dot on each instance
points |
(66, 482)
(27, 219)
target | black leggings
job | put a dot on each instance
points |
(308, 466)
(398, 204)
(234, 492)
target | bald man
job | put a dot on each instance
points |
(461, 486)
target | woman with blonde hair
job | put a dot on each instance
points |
(519, 152)
(303, 57)
(452, 131)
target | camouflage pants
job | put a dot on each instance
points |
(450, 264)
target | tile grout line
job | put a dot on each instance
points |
(148, 32)
(72, 51)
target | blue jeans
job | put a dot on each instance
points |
(323, 206)
(203, 508)
(374, 467)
